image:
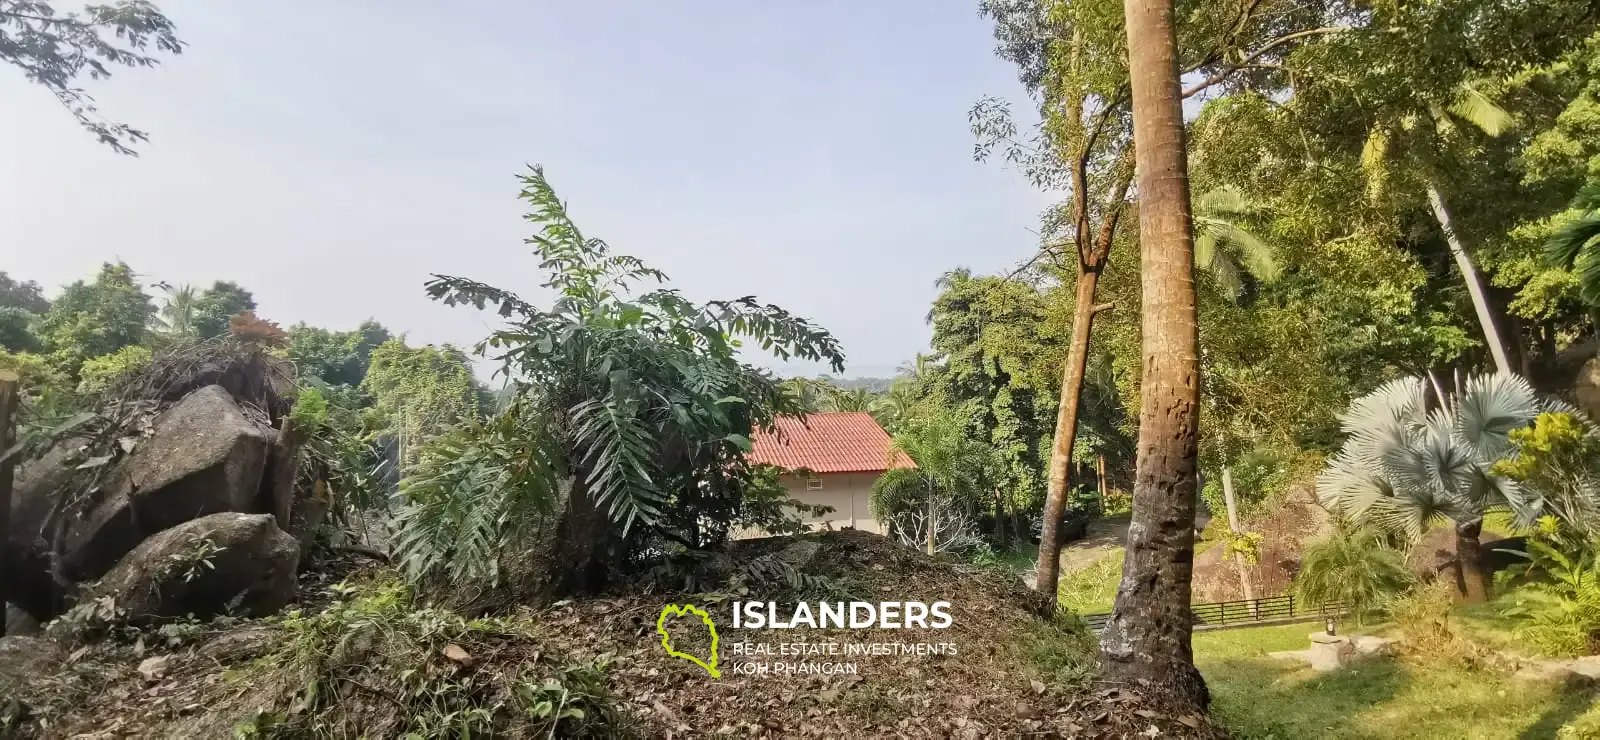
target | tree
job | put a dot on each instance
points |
(1223, 246)
(1410, 457)
(418, 394)
(25, 294)
(20, 305)
(219, 303)
(177, 314)
(94, 319)
(57, 49)
(1147, 636)
(1417, 130)
(852, 399)
(339, 358)
(1072, 57)
(1352, 567)
(953, 472)
(629, 428)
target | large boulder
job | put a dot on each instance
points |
(204, 456)
(226, 563)
(26, 582)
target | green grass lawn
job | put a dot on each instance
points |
(1093, 588)
(1257, 697)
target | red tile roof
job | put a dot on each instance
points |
(833, 442)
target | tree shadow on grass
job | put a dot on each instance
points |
(1258, 699)
(1572, 704)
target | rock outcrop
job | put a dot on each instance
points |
(198, 435)
(228, 563)
(204, 456)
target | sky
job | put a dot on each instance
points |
(331, 156)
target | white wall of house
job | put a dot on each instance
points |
(848, 493)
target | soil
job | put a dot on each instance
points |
(1015, 671)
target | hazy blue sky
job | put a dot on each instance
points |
(330, 155)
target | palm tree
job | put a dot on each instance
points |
(1224, 247)
(1147, 636)
(1576, 245)
(897, 405)
(629, 427)
(1411, 458)
(1412, 133)
(178, 312)
(849, 399)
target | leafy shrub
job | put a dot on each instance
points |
(98, 373)
(1558, 457)
(1569, 623)
(1116, 502)
(1353, 567)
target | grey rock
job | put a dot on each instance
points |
(205, 456)
(226, 563)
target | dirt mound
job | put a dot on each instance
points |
(1284, 532)
(379, 663)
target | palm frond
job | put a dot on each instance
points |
(1472, 106)
(620, 459)
(1488, 408)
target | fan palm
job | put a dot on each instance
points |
(1224, 247)
(1576, 245)
(629, 424)
(1405, 464)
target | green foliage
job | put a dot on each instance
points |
(419, 393)
(1569, 623)
(1403, 464)
(94, 319)
(98, 373)
(1352, 567)
(634, 403)
(216, 305)
(1246, 545)
(38, 374)
(57, 50)
(338, 358)
(14, 334)
(376, 662)
(1556, 458)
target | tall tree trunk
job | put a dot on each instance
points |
(10, 385)
(1148, 635)
(1475, 289)
(1100, 477)
(1055, 502)
(1245, 586)
(1472, 581)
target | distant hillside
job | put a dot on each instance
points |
(876, 385)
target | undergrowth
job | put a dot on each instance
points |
(378, 663)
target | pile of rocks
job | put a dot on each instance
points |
(190, 516)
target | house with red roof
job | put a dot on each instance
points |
(833, 459)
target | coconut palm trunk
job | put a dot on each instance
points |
(1469, 273)
(1148, 635)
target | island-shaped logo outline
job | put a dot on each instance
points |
(676, 610)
